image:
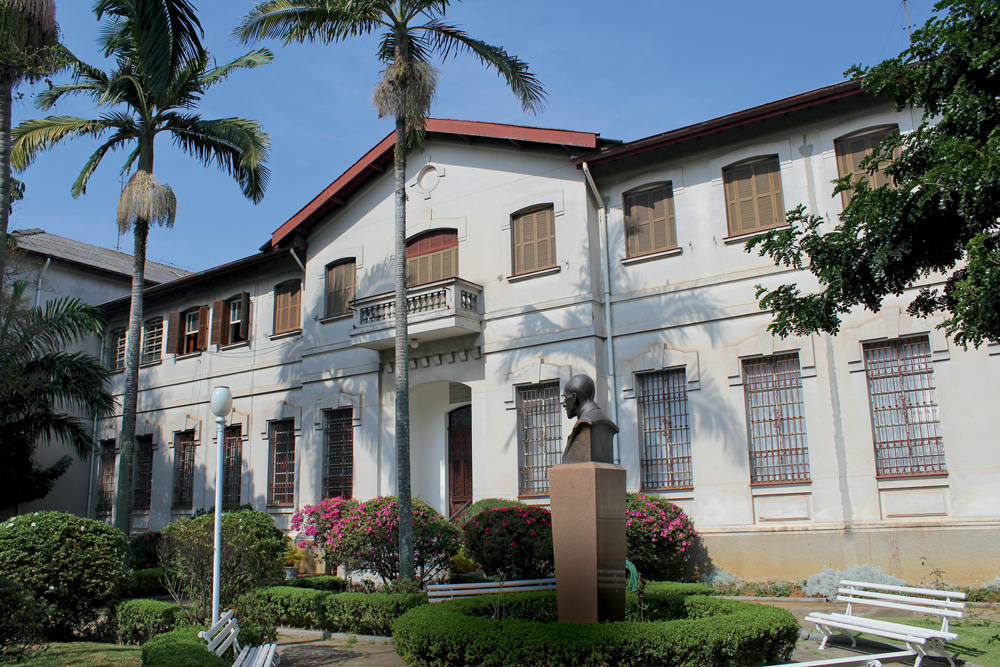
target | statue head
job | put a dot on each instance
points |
(578, 391)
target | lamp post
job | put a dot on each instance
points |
(222, 403)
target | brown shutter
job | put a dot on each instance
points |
(173, 329)
(202, 327)
(340, 286)
(245, 314)
(753, 196)
(534, 241)
(280, 297)
(294, 315)
(219, 337)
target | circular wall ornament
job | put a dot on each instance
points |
(428, 178)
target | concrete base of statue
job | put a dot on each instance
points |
(588, 535)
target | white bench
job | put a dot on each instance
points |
(442, 592)
(944, 604)
(872, 660)
(223, 634)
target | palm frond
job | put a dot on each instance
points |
(246, 61)
(34, 136)
(416, 46)
(310, 20)
(117, 140)
(67, 379)
(238, 146)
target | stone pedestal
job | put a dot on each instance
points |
(588, 534)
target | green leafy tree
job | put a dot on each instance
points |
(160, 75)
(941, 212)
(40, 383)
(412, 32)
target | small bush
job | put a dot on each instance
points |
(658, 536)
(824, 583)
(145, 583)
(512, 542)
(322, 582)
(137, 621)
(258, 618)
(72, 564)
(362, 613)
(21, 628)
(485, 505)
(181, 647)
(143, 550)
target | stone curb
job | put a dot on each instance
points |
(325, 636)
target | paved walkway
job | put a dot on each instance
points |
(301, 648)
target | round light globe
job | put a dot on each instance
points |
(222, 401)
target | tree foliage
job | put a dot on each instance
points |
(940, 215)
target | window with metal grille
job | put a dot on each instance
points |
(753, 196)
(106, 479)
(539, 436)
(142, 476)
(905, 423)
(341, 277)
(534, 236)
(184, 470)
(281, 485)
(152, 340)
(117, 356)
(776, 421)
(649, 220)
(663, 428)
(287, 302)
(232, 466)
(852, 150)
(338, 437)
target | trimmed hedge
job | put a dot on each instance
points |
(322, 582)
(145, 583)
(137, 621)
(711, 632)
(180, 648)
(361, 613)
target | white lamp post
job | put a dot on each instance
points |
(222, 403)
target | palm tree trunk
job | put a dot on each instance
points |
(6, 90)
(402, 362)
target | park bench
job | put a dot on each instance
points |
(944, 604)
(869, 660)
(223, 634)
(442, 592)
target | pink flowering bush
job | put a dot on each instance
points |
(658, 535)
(512, 542)
(365, 535)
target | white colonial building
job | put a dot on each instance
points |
(536, 254)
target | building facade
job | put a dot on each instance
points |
(534, 255)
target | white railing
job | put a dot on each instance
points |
(444, 298)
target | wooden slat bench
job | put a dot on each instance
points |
(223, 634)
(868, 660)
(442, 592)
(944, 604)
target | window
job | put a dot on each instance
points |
(338, 436)
(539, 436)
(106, 479)
(649, 220)
(431, 257)
(664, 432)
(116, 359)
(753, 196)
(287, 300)
(232, 466)
(905, 422)
(184, 470)
(142, 475)
(152, 340)
(852, 150)
(776, 422)
(340, 286)
(231, 320)
(534, 235)
(187, 332)
(281, 485)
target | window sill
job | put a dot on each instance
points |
(639, 259)
(281, 509)
(233, 346)
(189, 355)
(116, 371)
(666, 489)
(336, 318)
(743, 238)
(788, 482)
(148, 364)
(285, 334)
(552, 270)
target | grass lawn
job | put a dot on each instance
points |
(85, 654)
(973, 642)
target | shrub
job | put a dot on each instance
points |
(252, 550)
(512, 542)
(320, 583)
(706, 631)
(362, 613)
(145, 583)
(485, 505)
(74, 565)
(21, 629)
(321, 526)
(143, 549)
(137, 621)
(824, 583)
(181, 647)
(258, 618)
(658, 536)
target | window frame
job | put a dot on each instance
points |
(667, 400)
(867, 135)
(142, 473)
(539, 445)
(632, 244)
(338, 453)
(734, 220)
(118, 349)
(152, 341)
(178, 336)
(348, 267)
(517, 222)
(286, 496)
(780, 384)
(292, 321)
(185, 450)
(106, 478)
(232, 466)
(421, 251)
(223, 332)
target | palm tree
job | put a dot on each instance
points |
(28, 35)
(412, 31)
(39, 382)
(142, 109)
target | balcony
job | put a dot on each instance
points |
(443, 309)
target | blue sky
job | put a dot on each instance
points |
(626, 70)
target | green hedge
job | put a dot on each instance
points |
(713, 632)
(145, 583)
(180, 648)
(361, 613)
(323, 582)
(136, 621)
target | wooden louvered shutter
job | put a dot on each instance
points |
(286, 307)
(219, 337)
(767, 191)
(202, 327)
(340, 285)
(534, 241)
(851, 151)
(753, 196)
(432, 257)
(649, 221)
(245, 315)
(173, 331)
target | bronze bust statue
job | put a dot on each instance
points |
(593, 433)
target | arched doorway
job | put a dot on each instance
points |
(459, 459)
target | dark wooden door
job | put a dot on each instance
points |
(459, 459)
